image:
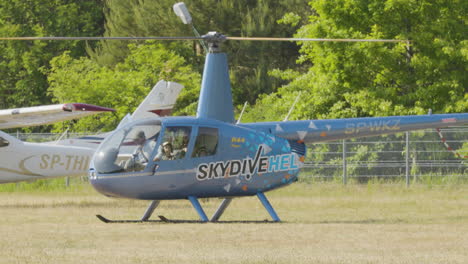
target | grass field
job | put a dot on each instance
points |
(323, 223)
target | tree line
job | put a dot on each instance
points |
(334, 79)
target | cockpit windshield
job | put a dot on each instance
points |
(128, 149)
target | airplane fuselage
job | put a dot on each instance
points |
(31, 161)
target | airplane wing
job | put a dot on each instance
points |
(159, 102)
(42, 115)
(313, 131)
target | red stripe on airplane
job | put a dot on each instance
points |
(161, 112)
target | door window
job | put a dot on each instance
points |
(206, 143)
(174, 144)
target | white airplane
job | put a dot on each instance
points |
(46, 114)
(22, 161)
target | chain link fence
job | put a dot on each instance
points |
(431, 154)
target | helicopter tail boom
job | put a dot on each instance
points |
(313, 131)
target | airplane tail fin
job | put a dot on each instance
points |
(159, 101)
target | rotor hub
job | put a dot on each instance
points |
(214, 39)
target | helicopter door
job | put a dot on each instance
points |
(175, 143)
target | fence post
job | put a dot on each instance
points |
(67, 179)
(344, 163)
(407, 160)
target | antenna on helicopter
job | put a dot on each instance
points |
(292, 107)
(242, 112)
(180, 9)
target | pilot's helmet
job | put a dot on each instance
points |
(167, 143)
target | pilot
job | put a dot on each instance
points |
(139, 156)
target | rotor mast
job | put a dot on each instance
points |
(215, 100)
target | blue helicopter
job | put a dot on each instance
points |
(212, 155)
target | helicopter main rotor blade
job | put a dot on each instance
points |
(205, 37)
(100, 38)
(316, 39)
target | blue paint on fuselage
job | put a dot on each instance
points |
(215, 101)
(260, 150)
(239, 149)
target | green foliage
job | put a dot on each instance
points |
(122, 87)
(22, 63)
(380, 79)
(337, 79)
(249, 61)
(56, 185)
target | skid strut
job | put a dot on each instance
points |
(268, 207)
(149, 211)
(198, 208)
(203, 218)
(222, 207)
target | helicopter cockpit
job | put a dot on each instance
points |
(129, 149)
(148, 143)
(132, 147)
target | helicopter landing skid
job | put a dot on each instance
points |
(110, 221)
(165, 220)
(203, 218)
(162, 220)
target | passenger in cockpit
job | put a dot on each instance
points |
(168, 152)
(165, 152)
(201, 152)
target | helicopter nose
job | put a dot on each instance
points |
(101, 185)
